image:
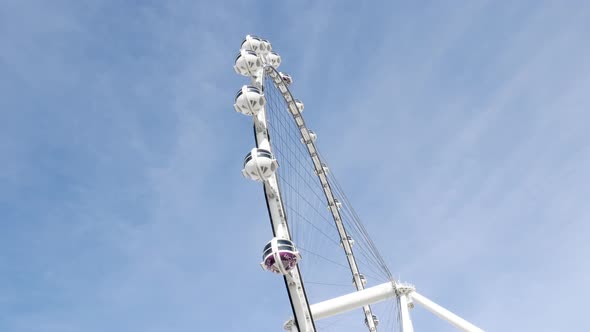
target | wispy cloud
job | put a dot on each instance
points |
(461, 133)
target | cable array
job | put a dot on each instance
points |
(324, 265)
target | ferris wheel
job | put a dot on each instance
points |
(316, 232)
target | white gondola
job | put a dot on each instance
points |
(254, 44)
(324, 170)
(300, 105)
(349, 239)
(274, 59)
(247, 63)
(363, 280)
(286, 78)
(375, 321)
(336, 203)
(267, 47)
(280, 256)
(259, 165)
(249, 100)
(312, 136)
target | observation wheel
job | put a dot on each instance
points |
(319, 246)
(310, 214)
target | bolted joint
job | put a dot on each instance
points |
(404, 288)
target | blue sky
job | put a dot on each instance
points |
(459, 131)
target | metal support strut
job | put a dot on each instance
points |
(406, 293)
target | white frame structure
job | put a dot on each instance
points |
(293, 280)
(304, 313)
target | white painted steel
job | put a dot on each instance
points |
(382, 292)
(353, 301)
(445, 314)
(405, 313)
